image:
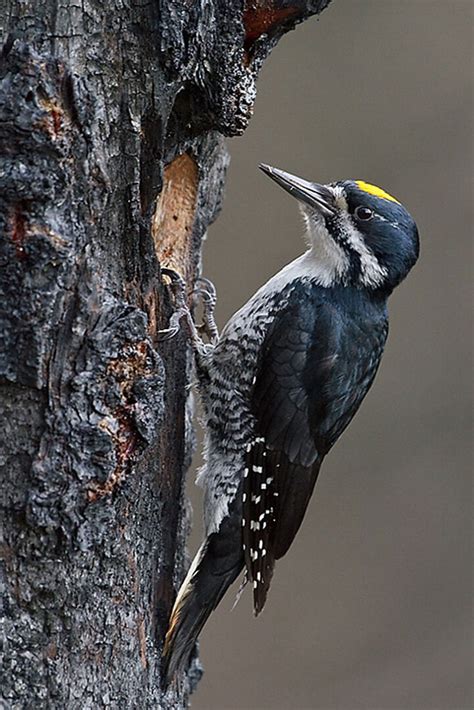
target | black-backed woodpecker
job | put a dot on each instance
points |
(282, 382)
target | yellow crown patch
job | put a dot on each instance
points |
(374, 190)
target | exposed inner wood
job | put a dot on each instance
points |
(93, 406)
(260, 17)
(173, 219)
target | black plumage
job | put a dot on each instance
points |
(316, 364)
(218, 563)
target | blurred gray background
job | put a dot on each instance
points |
(371, 608)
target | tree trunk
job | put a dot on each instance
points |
(112, 118)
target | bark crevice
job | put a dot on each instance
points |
(112, 125)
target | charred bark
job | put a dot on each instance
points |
(112, 118)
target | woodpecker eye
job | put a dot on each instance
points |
(363, 213)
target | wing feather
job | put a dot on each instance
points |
(306, 391)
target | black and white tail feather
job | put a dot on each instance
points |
(216, 565)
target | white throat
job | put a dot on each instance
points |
(328, 261)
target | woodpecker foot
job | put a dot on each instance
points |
(205, 291)
(178, 287)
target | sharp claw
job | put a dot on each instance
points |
(174, 324)
(209, 286)
(167, 334)
(178, 287)
(173, 275)
(206, 292)
(208, 297)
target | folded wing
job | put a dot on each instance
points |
(306, 391)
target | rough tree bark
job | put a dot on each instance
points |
(112, 118)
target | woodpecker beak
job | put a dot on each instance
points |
(317, 196)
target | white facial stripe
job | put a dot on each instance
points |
(330, 262)
(372, 272)
(395, 225)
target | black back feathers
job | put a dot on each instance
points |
(315, 367)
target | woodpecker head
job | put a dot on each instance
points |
(359, 233)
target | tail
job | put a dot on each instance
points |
(217, 564)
